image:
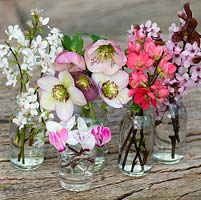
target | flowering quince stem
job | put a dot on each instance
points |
(140, 149)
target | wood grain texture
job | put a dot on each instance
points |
(175, 182)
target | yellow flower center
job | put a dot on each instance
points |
(105, 52)
(59, 92)
(110, 89)
(83, 82)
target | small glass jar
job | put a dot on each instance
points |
(76, 169)
(170, 135)
(100, 118)
(26, 149)
(135, 144)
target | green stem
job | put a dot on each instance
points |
(22, 146)
(91, 109)
(17, 61)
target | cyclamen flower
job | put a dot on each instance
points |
(86, 85)
(83, 135)
(60, 94)
(59, 134)
(70, 61)
(102, 135)
(104, 56)
(113, 89)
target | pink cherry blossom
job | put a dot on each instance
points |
(69, 61)
(102, 135)
(154, 51)
(104, 56)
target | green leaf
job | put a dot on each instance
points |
(77, 43)
(135, 108)
(66, 42)
(95, 38)
(103, 106)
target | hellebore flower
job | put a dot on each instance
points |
(86, 85)
(113, 89)
(102, 135)
(60, 94)
(59, 133)
(83, 136)
(69, 61)
(104, 56)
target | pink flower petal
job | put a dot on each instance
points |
(64, 110)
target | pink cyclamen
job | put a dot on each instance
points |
(102, 135)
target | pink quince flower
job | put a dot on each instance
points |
(160, 91)
(138, 79)
(104, 56)
(144, 97)
(154, 51)
(113, 89)
(69, 61)
(166, 69)
(60, 94)
(102, 135)
(139, 61)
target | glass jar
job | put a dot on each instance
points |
(76, 169)
(100, 118)
(26, 147)
(135, 144)
(170, 135)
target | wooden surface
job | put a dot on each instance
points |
(176, 182)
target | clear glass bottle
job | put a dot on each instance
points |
(26, 149)
(76, 169)
(170, 135)
(135, 144)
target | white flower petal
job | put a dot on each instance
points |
(77, 96)
(69, 124)
(123, 96)
(53, 126)
(66, 79)
(64, 110)
(47, 101)
(48, 82)
(89, 141)
(72, 137)
(99, 78)
(121, 78)
(81, 125)
(115, 103)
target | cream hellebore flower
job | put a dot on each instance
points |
(113, 89)
(60, 94)
(104, 56)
